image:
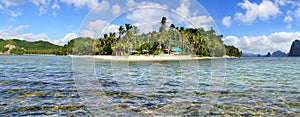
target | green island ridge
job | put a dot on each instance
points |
(128, 41)
(16, 46)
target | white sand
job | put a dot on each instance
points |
(144, 58)
(165, 57)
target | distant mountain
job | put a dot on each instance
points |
(16, 46)
(279, 53)
(295, 49)
(268, 55)
(249, 55)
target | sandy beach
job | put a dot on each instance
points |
(165, 57)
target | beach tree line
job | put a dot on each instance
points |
(129, 41)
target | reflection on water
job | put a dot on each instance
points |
(44, 85)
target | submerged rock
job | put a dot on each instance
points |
(295, 48)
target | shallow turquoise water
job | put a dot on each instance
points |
(49, 86)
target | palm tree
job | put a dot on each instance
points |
(172, 36)
(128, 37)
(172, 26)
(163, 24)
(121, 31)
(162, 29)
(135, 32)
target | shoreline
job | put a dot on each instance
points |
(134, 58)
(143, 58)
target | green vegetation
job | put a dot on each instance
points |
(128, 41)
(79, 46)
(198, 42)
(2, 49)
(233, 51)
(25, 47)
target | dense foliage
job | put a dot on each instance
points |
(233, 51)
(128, 41)
(198, 42)
(79, 46)
(26, 47)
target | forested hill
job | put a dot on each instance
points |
(16, 46)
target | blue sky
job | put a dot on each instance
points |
(257, 26)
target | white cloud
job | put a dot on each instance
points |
(297, 13)
(265, 43)
(9, 3)
(147, 27)
(262, 11)
(42, 10)
(111, 28)
(1, 7)
(91, 4)
(33, 37)
(77, 3)
(42, 6)
(38, 2)
(66, 39)
(288, 18)
(104, 5)
(200, 22)
(280, 2)
(190, 18)
(98, 27)
(21, 28)
(293, 3)
(226, 21)
(116, 9)
(94, 28)
(16, 33)
(14, 13)
(147, 18)
(131, 3)
(183, 9)
(55, 6)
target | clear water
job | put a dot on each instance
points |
(47, 86)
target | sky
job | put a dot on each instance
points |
(254, 26)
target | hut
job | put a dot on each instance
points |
(173, 50)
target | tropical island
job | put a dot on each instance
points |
(168, 40)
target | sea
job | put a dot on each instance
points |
(34, 85)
